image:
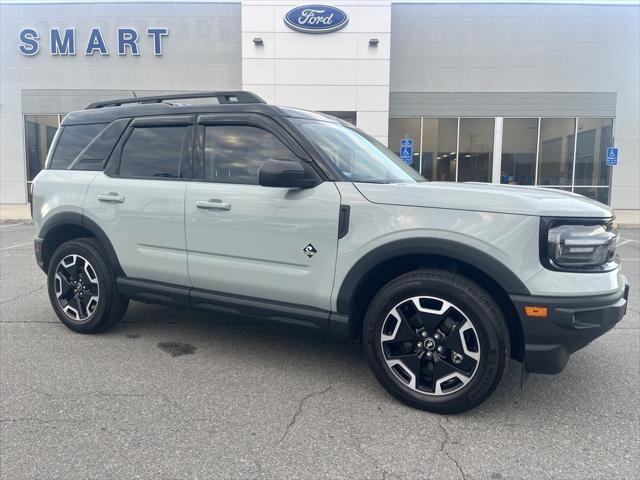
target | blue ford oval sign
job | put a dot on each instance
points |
(316, 19)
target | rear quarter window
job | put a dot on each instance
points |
(73, 139)
(95, 155)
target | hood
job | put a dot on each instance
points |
(486, 197)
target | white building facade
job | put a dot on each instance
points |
(521, 93)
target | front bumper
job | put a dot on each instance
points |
(571, 323)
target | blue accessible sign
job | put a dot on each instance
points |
(406, 150)
(612, 156)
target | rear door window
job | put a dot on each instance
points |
(154, 152)
(73, 139)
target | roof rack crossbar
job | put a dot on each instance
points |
(223, 98)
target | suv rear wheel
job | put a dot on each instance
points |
(82, 287)
(436, 340)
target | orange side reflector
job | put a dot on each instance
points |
(536, 311)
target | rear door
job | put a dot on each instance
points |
(139, 199)
(277, 244)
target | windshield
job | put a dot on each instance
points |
(356, 155)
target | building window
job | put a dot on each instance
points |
(439, 149)
(519, 150)
(600, 194)
(405, 128)
(535, 151)
(557, 141)
(476, 149)
(39, 133)
(349, 117)
(595, 135)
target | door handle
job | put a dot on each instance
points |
(111, 198)
(213, 204)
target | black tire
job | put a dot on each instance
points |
(109, 306)
(472, 303)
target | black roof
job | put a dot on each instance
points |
(245, 102)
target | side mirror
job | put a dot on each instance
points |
(285, 174)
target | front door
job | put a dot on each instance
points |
(267, 243)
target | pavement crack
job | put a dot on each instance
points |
(22, 295)
(43, 421)
(299, 408)
(443, 446)
(374, 461)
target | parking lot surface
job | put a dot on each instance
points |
(180, 394)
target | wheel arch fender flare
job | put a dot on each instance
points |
(469, 255)
(77, 219)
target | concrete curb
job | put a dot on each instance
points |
(16, 221)
(628, 218)
(15, 213)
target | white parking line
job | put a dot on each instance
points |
(625, 241)
(8, 225)
(17, 246)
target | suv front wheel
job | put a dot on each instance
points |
(436, 340)
(82, 287)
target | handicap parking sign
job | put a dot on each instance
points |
(612, 156)
(406, 150)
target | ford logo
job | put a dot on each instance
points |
(316, 19)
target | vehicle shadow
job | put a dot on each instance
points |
(249, 341)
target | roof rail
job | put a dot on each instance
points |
(223, 97)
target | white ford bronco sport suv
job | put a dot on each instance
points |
(282, 214)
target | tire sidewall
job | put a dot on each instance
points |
(481, 311)
(85, 249)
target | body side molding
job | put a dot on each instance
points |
(150, 291)
(153, 292)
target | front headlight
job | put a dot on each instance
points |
(584, 245)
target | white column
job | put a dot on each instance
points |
(497, 150)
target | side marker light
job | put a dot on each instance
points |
(540, 312)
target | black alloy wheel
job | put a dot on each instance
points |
(436, 340)
(82, 287)
(77, 288)
(430, 345)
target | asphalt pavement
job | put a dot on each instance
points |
(180, 394)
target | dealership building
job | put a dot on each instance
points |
(529, 93)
